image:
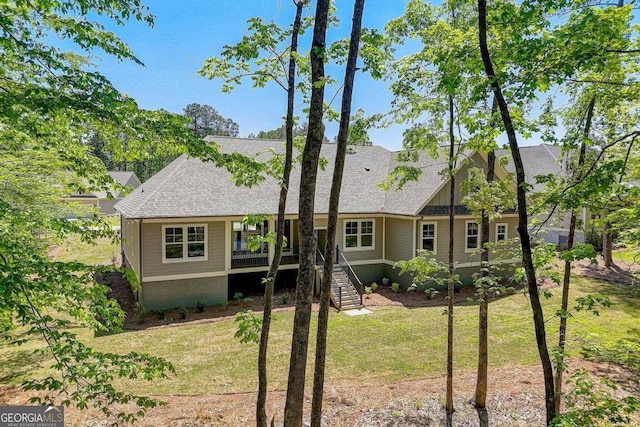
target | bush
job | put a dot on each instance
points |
(367, 290)
(395, 286)
(594, 238)
(182, 313)
(238, 296)
(591, 404)
(200, 306)
(430, 293)
(385, 281)
(285, 298)
(374, 286)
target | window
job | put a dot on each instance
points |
(244, 233)
(184, 243)
(359, 234)
(429, 236)
(501, 232)
(472, 236)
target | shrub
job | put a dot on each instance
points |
(182, 313)
(141, 313)
(430, 293)
(592, 404)
(200, 306)
(285, 298)
(374, 286)
(161, 315)
(395, 286)
(367, 290)
(385, 281)
(238, 296)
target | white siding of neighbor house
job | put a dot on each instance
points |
(217, 248)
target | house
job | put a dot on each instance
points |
(100, 199)
(540, 160)
(184, 238)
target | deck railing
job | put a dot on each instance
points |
(346, 268)
(240, 259)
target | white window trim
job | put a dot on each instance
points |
(435, 235)
(185, 257)
(466, 236)
(359, 235)
(506, 231)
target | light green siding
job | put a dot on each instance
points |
(369, 273)
(131, 244)
(152, 259)
(399, 239)
(442, 198)
(364, 254)
(184, 293)
(459, 233)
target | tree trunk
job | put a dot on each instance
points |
(607, 245)
(332, 221)
(309, 171)
(483, 311)
(566, 283)
(527, 259)
(269, 282)
(450, 286)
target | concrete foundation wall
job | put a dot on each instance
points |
(184, 293)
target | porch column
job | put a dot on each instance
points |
(272, 248)
(227, 245)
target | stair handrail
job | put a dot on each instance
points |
(351, 275)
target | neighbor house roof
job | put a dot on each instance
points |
(189, 187)
(123, 178)
(543, 159)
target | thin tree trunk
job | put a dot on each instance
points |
(332, 221)
(483, 311)
(450, 287)
(527, 259)
(309, 171)
(566, 283)
(607, 245)
(269, 282)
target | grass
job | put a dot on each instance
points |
(630, 255)
(102, 252)
(393, 343)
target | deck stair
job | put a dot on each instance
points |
(345, 285)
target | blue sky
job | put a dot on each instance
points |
(187, 32)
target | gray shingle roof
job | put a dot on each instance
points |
(543, 159)
(189, 187)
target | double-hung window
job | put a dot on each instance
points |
(472, 236)
(184, 243)
(429, 236)
(359, 234)
(501, 232)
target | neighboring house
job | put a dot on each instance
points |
(185, 240)
(100, 199)
(545, 159)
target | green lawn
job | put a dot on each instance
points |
(102, 252)
(391, 344)
(631, 255)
